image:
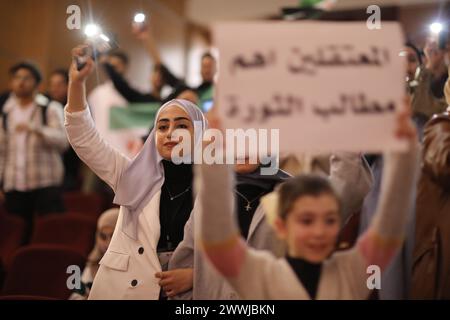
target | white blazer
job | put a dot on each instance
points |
(127, 270)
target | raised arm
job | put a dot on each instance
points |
(145, 35)
(123, 87)
(219, 233)
(104, 160)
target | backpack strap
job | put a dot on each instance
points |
(43, 102)
(44, 114)
(3, 98)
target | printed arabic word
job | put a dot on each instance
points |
(278, 106)
(356, 104)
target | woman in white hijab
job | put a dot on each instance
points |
(105, 228)
(155, 195)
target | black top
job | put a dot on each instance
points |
(133, 96)
(253, 186)
(308, 274)
(253, 194)
(175, 205)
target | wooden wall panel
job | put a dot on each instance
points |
(36, 30)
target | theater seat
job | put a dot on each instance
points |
(2, 209)
(41, 270)
(75, 232)
(91, 217)
(2, 273)
(12, 230)
(83, 203)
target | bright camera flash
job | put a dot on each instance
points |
(91, 30)
(139, 18)
(104, 37)
(436, 27)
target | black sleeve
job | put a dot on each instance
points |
(169, 78)
(129, 93)
(176, 91)
(178, 85)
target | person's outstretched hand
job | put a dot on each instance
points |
(140, 31)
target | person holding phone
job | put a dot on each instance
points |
(160, 75)
(154, 193)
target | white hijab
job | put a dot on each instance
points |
(145, 174)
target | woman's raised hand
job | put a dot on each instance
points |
(80, 76)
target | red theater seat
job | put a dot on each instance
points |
(83, 203)
(41, 270)
(75, 232)
(11, 234)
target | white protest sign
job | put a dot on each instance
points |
(326, 86)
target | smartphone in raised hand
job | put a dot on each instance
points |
(139, 22)
(97, 46)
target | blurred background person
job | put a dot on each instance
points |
(431, 259)
(32, 139)
(208, 71)
(105, 96)
(428, 93)
(57, 90)
(160, 75)
(57, 86)
(414, 61)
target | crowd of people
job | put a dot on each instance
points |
(185, 231)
